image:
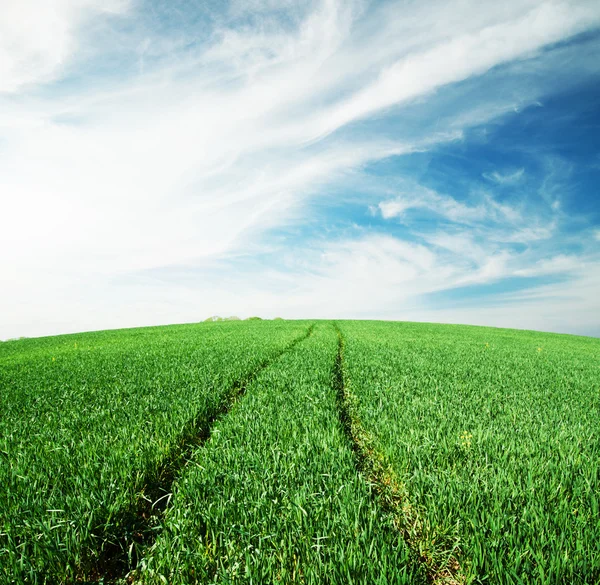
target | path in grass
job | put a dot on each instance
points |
(439, 564)
(95, 427)
(141, 525)
(274, 496)
(492, 437)
(379, 453)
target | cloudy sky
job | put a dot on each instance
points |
(162, 161)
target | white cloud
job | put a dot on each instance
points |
(498, 223)
(37, 39)
(379, 276)
(463, 55)
(460, 244)
(383, 277)
(416, 197)
(507, 178)
(561, 264)
(394, 207)
(564, 307)
(525, 235)
(210, 146)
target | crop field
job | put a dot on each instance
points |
(300, 452)
(493, 439)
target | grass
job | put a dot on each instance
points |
(493, 437)
(274, 496)
(247, 452)
(90, 424)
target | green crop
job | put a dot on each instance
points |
(300, 452)
(274, 496)
(493, 436)
(91, 423)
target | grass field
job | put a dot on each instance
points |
(493, 439)
(300, 452)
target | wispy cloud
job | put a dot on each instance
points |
(137, 136)
(502, 179)
(486, 209)
(39, 39)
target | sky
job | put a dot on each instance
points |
(163, 161)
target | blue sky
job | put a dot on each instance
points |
(162, 162)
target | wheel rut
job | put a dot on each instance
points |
(389, 492)
(120, 551)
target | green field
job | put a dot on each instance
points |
(300, 452)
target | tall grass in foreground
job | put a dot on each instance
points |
(494, 436)
(87, 423)
(274, 496)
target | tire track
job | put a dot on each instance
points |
(390, 493)
(140, 526)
